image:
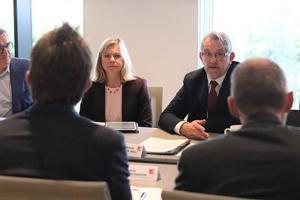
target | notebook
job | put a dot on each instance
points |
(164, 146)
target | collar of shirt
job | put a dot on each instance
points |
(5, 72)
(218, 80)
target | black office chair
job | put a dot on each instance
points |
(293, 118)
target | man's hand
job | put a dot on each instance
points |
(194, 130)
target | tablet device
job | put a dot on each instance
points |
(125, 127)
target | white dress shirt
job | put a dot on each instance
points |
(5, 94)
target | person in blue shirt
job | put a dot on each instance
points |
(15, 95)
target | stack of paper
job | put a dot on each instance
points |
(164, 146)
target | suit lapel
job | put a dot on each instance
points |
(125, 100)
(101, 102)
(225, 88)
(198, 111)
(15, 84)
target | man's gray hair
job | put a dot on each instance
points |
(222, 37)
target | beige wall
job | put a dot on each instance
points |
(161, 36)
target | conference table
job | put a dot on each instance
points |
(167, 164)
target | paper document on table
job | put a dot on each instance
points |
(164, 146)
(145, 193)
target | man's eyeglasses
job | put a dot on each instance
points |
(8, 46)
(217, 55)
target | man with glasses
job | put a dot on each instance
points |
(14, 93)
(203, 96)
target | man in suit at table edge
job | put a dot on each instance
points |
(193, 99)
(261, 160)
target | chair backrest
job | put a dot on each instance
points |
(19, 188)
(293, 118)
(156, 95)
(183, 195)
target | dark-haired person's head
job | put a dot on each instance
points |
(60, 67)
(258, 86)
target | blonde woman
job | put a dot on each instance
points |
(116, 94)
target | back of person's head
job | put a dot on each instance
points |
(127, 70)
(60, 67)
(222, 37)
(258, 85)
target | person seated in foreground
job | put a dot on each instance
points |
(50, 140)
(116, 95)
(262, 159)
(203, 96)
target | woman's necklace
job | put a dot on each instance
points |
(114, 90)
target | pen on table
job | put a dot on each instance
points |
(143, 195)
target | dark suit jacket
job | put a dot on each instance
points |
(54, 142)
(261, 160)
(135, 102)
(21, 95)
(191, 100)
